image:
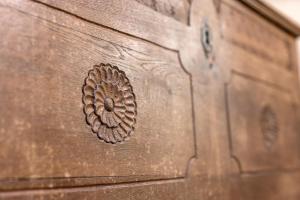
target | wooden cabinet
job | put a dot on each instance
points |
(138, 99)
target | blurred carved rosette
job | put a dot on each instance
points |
(109, 103)
(269, 126)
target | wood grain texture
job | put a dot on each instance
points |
(194, 112)
(263, 9)
(251, 81)
(132, 21)
(178, 10)
(245, 29)
(271, 185)
(265, 117)
(55, 80)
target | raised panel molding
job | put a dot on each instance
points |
(154, 84)
(262, 122)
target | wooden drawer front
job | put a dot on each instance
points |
(251, 33)
(44, 132)
(263, 125)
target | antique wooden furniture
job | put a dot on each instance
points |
(148, 99)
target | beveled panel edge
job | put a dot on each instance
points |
(236, 159)
(64, 182)
(168, 8)
(259, 27)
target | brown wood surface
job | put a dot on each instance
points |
(178, 10)
(262, 8)
(221, 123)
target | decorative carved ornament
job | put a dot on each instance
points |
(269, 126)
(109, 103)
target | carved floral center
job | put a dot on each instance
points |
(109, 104)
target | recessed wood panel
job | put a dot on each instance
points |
(122, 99)
(44, 133)
(250, 32)
(263, 125)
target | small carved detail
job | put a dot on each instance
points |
(109, 103)
(269, 126)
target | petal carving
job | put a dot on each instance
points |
(109, 103)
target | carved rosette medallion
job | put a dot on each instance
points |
(109, 103)
(269, 126)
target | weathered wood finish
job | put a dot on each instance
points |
(217, 124)
(243, 28)
(263, 118)
(157, 76)
(178, 10)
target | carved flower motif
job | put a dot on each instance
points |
(269, 126)
(109, 103)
